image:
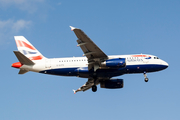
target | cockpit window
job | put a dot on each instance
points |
(156, 58)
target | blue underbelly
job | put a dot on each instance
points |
(84, 72)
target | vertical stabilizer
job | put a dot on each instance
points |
(27, 49)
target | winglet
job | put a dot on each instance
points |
(74, 91)
(72, 28)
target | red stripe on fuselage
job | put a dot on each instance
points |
(140, 56)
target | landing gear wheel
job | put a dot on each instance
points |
(146, 79)
(94, 88)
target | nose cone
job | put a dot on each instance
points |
(16, 65)
(165, 64)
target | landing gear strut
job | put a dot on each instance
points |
(94, 87)
(145, 77)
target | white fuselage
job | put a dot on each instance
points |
(66, 66)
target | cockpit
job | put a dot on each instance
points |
(156, 58)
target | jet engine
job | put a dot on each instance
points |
(117, 62)
(112, 83)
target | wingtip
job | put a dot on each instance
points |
(74, 91)
(72, 28)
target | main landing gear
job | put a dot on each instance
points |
(94, 88)
(145, 77)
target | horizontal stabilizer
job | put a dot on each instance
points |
(23, 59)
(22, 71)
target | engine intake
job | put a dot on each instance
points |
(112, 83)
(117, 62)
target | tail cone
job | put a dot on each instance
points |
(16, 65)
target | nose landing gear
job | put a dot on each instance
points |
(145, 77)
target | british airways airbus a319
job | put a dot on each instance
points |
(97, 67)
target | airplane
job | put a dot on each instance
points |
(96, 66)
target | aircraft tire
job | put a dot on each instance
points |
(146, 79)
(94, 88)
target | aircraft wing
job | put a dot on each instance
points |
(87, 85)
(94, 54)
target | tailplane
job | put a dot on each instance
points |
(23, 60)
(22, 71)
(27, 49)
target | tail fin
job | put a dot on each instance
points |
(27, 49)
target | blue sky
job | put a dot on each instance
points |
(117, 27)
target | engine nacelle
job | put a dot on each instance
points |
(117, 62)
(112, 83)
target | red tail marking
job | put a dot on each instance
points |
(36, 57)
(28, 46)
(18, 43)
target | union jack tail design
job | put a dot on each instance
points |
(26, 48)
